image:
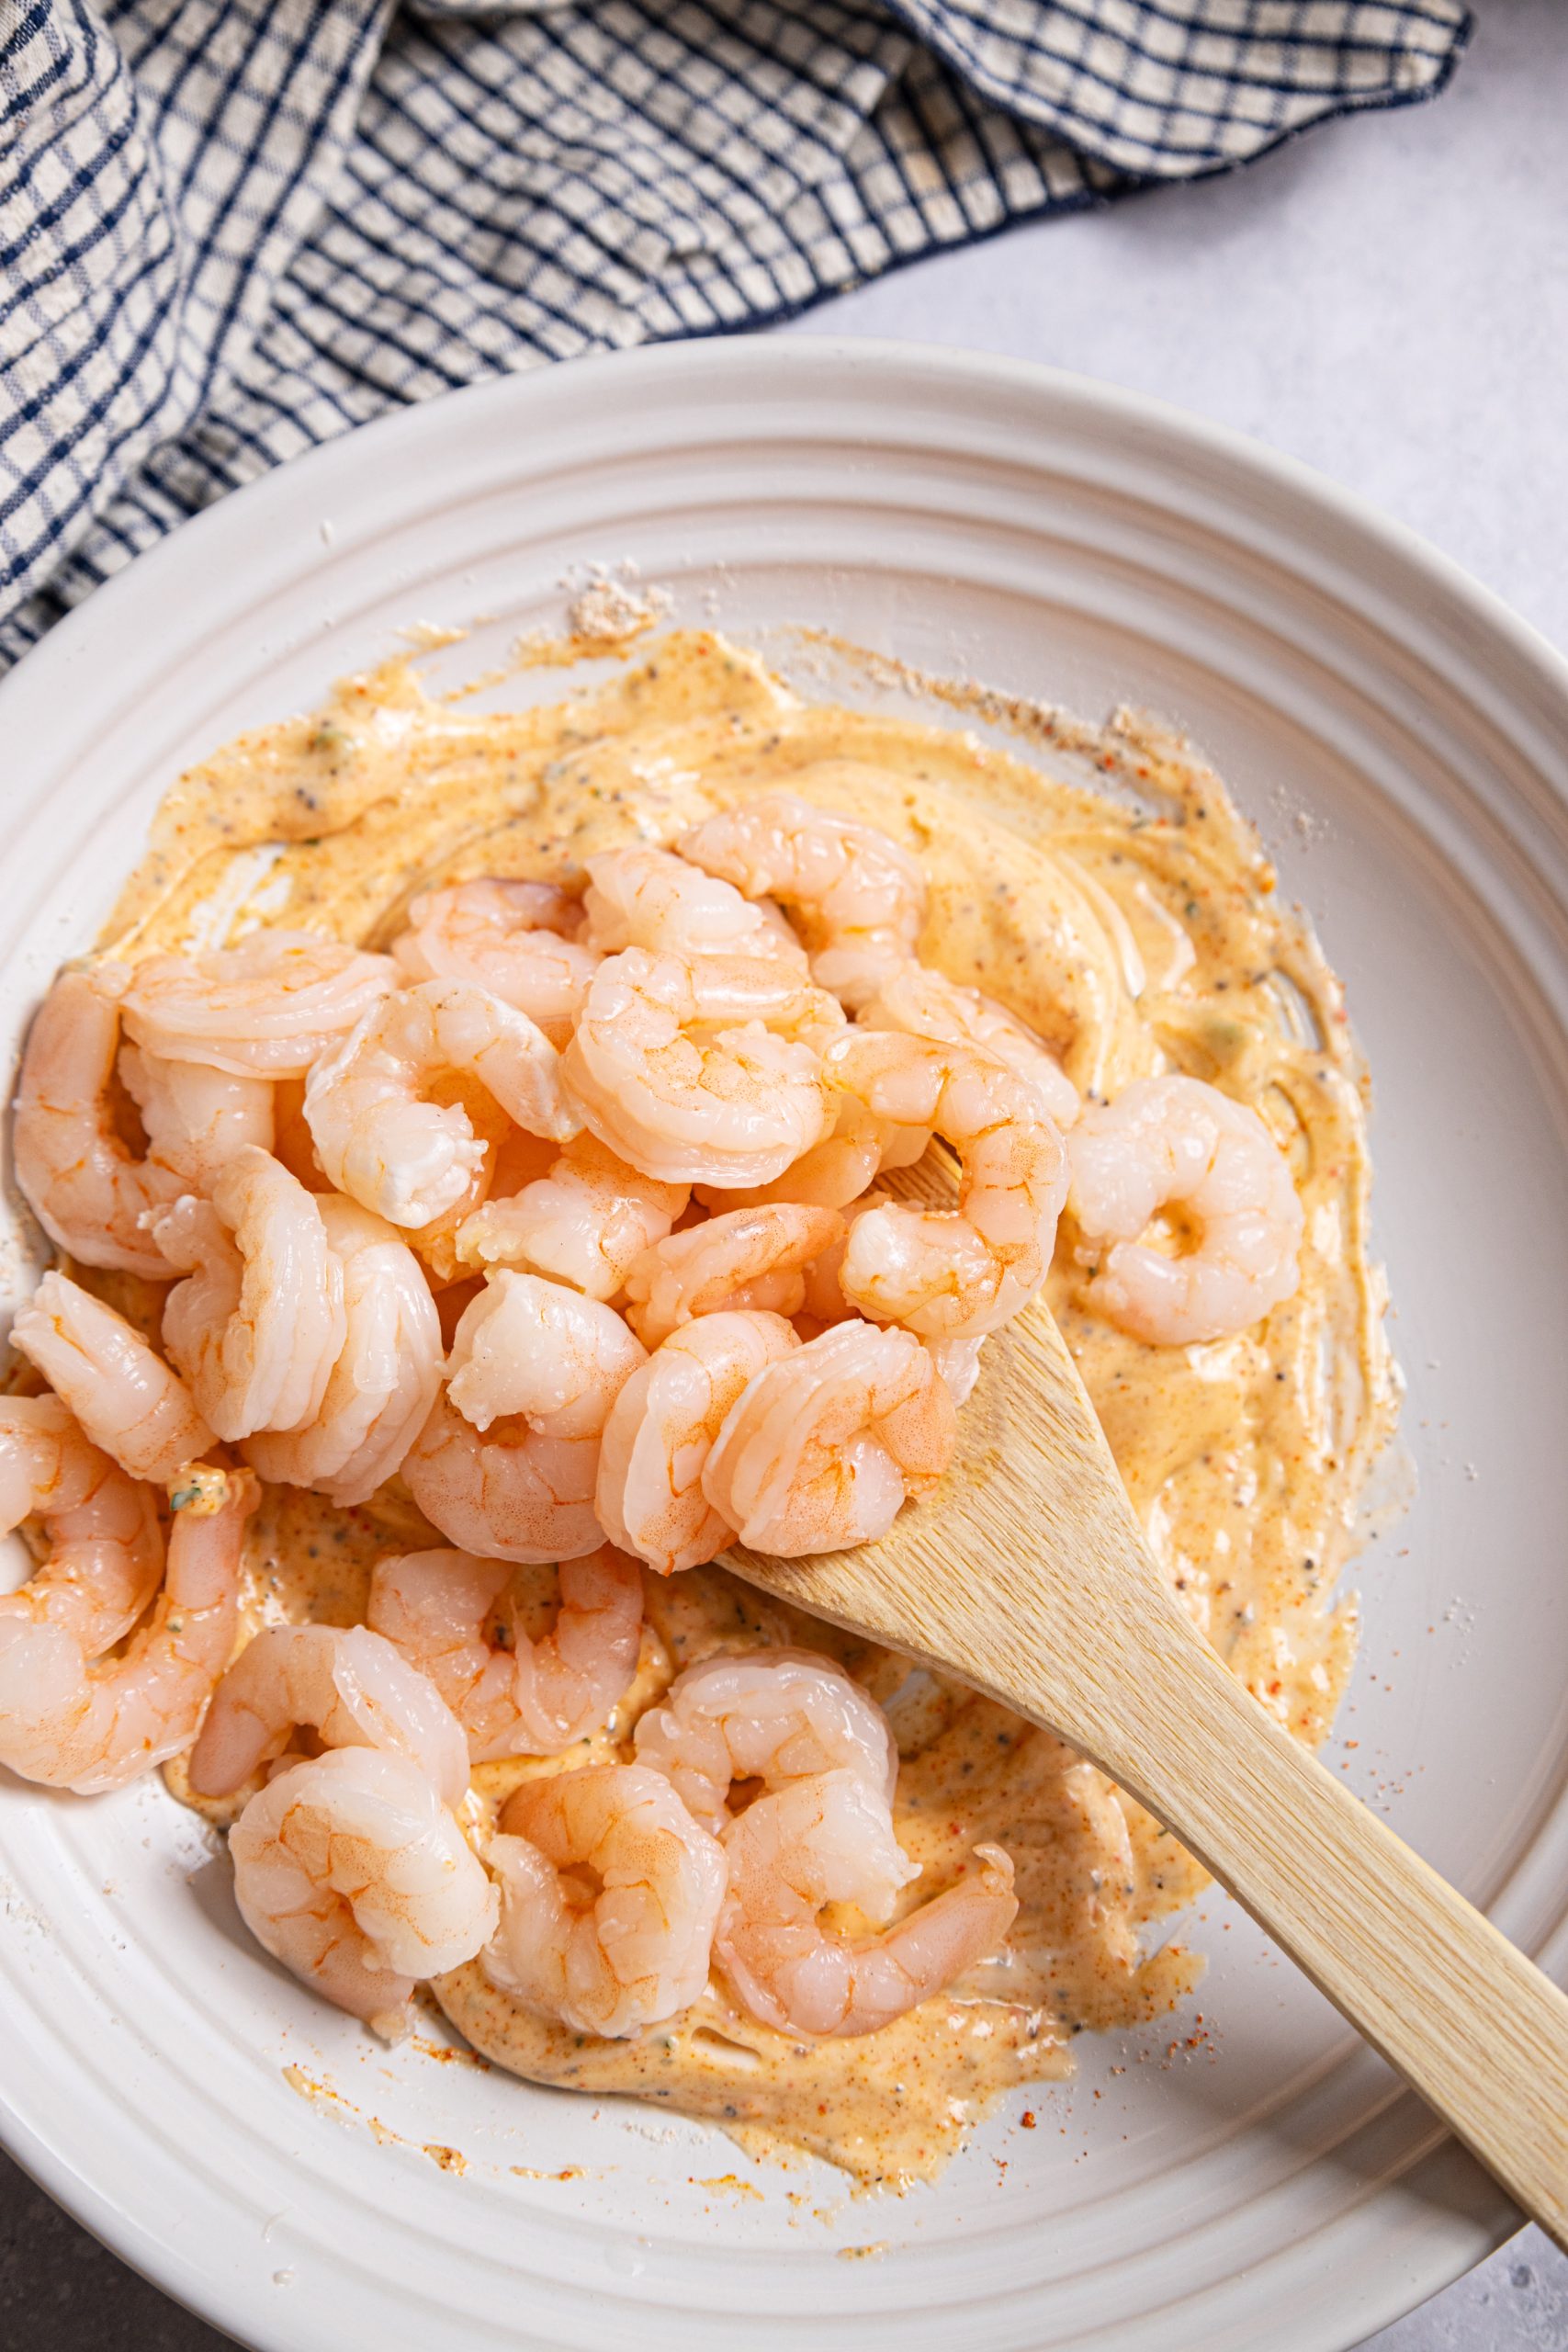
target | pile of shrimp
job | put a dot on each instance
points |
(564, 1212)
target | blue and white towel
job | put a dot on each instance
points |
(230, 229)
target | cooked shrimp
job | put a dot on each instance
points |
(398, 1153)
(125, 1396)
(861, 897)
(661, 1426)
(584, 1222)
(348, 1685)
(87, 1188)
(676, 1065)
(517, 940)
(532, 1352)
(73, 1718)
(958, 1360)
(837, 1170)
(646, 897)
(919, 1002)
(829, 1840)
(511, 1696)
(749, 1258)
(106, 1549)
(196, 1118)
(1177, 1142)
(821, 1448)
(380, 1390)
(953, 1273)
(768, 1716)
(258, 1323)
(350, 1871)
(636, 1951)
(266, 1009)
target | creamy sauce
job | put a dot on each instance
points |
(1136, 928)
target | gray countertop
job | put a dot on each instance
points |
(1386, 298)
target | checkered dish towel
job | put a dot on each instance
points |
(230, 229)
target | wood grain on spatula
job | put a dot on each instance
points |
(1026, 1573)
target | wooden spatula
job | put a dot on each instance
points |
(1026, 1573)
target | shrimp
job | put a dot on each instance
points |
(196, 1118)
(380, 1390)
(958, 1362)
(646, 897)
(517, 940)
(534, 1351)
(1177, 1142)
(953, 1273)
(676, 1066)
(837, 1170)
(349, 1685)
(861, 896)
(648, 1495)
(259, 1324)
(350, 1869)
(406, 1158)
(584, 1222)
(769, 1715)
(749, 1258)
(87, 1188)
(637, 1949)
(829, 1840)
(921, 1002)
(820, 1449)
(511, 1696)
(125, 1396)
(266, 1009)
(75, 1719)
(106, 1549)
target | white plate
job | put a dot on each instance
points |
(1400, 738)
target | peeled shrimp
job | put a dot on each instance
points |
(829, 1840)
(350, 1871)
(749, 1258)
(380, 1141)
(380, 1390)
(646, 897)
(953, 1273)
(77, 1720)
(584, 1222)
(769, 1715)
(923, 1003)
(675, 1065)
(635, 1951)
(861, 896)
(259, 1323)
(266, 1009)
(511, 1696)
(837, 1170)
(517, 940)
(531, 1352)
(106, 1548)
(821, 1448)
(958, 1360)
(88, 1190)
(348, 1685)
(649, 1495)
(1177, 1141)
(196, 1118)
(125, 1396)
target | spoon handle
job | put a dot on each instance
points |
(1470, 2023)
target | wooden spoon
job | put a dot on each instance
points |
(1026, 1574)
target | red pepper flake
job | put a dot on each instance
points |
(1027, 2119)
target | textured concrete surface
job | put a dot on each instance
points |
(1387, 299)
